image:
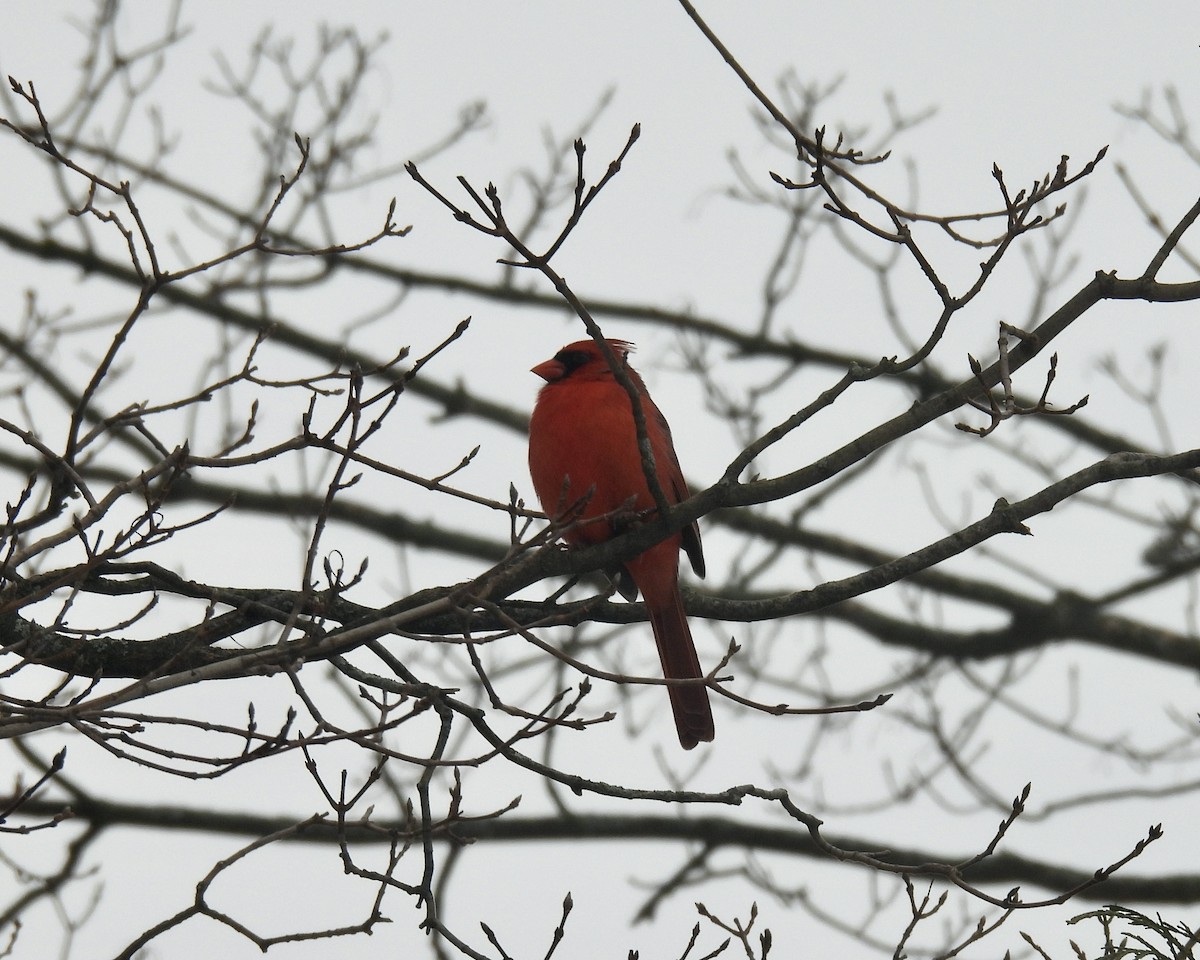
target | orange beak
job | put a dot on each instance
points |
(549, 370)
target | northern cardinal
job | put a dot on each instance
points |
(583, 447)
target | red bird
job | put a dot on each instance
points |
(583, 445)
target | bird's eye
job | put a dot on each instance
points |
(571, 360)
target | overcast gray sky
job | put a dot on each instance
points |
(1017, 83)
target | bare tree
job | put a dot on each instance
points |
(253, 590)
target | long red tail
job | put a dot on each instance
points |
(693, 716)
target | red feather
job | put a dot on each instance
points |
(582, 438)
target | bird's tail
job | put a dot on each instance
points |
(693, 716)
